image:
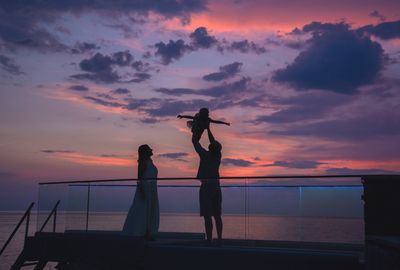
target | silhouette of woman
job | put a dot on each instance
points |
(144, 215)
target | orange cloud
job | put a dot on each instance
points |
(83, 159)
(61, 92)
(281, 16)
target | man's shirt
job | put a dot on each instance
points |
(209, 164)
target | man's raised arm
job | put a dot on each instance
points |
(210, 135)
(197, 146)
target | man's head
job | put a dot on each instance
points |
(215, 147)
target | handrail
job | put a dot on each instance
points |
(222, 177)
(27, 216)
(53, 211)
(222, 186)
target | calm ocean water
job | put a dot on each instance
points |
(309, 229)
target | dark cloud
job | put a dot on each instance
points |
(349, 171)
(134, 104)
(80, 88)
(156, 108)
(141, 66)
(149, 120)
(386, 30)
(299, 164)
(175, 156)
(140, 77)
(336, 59)
(318, 27)
(97, 63)
(121, 91)
(56, 151)
(225, 72)
(106, 96)
(171, 8)
(84, 47)
(296, 31)
(237, 162)
(103, 68)
(175, 107)
(244, 46)
(100, 77)
(9, 65)
(358, 128)
(21, 23)
(104, 102)
(175, 91)
(123, 58)
(201, 39)
(377, 14)
(20, 29)
(224, 89)
(223, 96)
(173, 50)
(146, 55)
(295, 44)
(310, 106)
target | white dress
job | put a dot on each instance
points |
(144, 212)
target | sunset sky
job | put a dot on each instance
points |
(310, 87)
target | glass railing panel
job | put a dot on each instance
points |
(109, 204)
(77, 206)
(326, 212)
(273, 209)
(48, 196)
(179, 206)
(261, 209)
(234, 208)
(332, 214)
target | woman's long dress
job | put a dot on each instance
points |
(144, 213)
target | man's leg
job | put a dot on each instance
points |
(209, 227)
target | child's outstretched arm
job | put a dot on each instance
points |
(185, 116)
(219, 122)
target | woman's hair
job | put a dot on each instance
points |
(144, 155)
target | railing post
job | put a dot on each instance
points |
(53, 211)
(27, 225)
(87, 207)
(55, 220)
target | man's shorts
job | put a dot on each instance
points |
(210, 200)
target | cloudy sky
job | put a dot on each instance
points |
(310, 87)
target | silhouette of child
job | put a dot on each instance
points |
(200, 122)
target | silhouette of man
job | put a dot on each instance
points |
(210, 191)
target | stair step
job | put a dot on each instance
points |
(29, 263)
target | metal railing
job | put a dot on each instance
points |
(26, 216)
(85, 198)
(221, 178)
(53, 212)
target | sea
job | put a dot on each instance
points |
(236, 226)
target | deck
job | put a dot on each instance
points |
(113, 250)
